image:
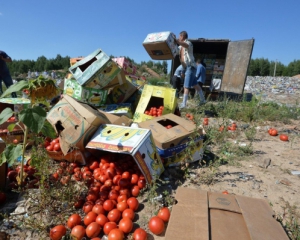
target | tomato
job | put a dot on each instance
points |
(15, 141)
(74, 220)
(101, 219)
(225, 192)
(273, 132)
(49, 148)
(79, 203)
(87, 207)
(205, 122)
(108, 227)
(89, 218)
(164, 214)
(110, 172)
(116, 234)
(156, 225)
(93, 230)
(122, 198)
(123, 182)
(108, 205)
(140, 234)
(98, 209)
(78, 232)
(121, 206)
(57, 232)
(125, 225)
(141, 183)
(269, 131)
(284, 137)
(133, 203)
(221, 129)
(92, 196)
(64, 180)
(2, 198)
(234, 125)
(128, 213)
(77, 176)
(12, 175)
(168, 126)
(114, 215)
(135, 191)
(56, 147)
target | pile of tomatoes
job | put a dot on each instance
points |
(232, 127)
(52, 145)
(274, 132)
(114, 182)
(30, 181)
(155, 111)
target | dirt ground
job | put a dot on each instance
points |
(267, 174)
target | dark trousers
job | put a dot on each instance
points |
(176, 83)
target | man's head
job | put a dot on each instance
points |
(198, 61)
(183, 35)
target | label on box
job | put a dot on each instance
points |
(118, 109)
(95, 97)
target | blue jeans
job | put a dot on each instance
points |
(190, 77)
(8, 82)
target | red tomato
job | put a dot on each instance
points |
(135, 191)
(89, 218)
(121, 206)
(79, 203)
(169, 126)
(141, 183)
(74, 220)
(122, 198)
(15, 141)
(56, 147)
(134, 179)
(273, 132)
(140, 234)
(125, 225)
(108, 227)
(128, 213)
(114, 215)
(133, 203)
(94, 165)
(87, 207)
(284, 137)
(49, 148)
(164, 214)
(123, 182)
(78, 232)
(57, 232)
(98, 209)
(101, 220)
(156, 225)
(93, 230)
(12, 175)
(108, 205)
(116, 234)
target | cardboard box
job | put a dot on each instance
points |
(172, 143)
(128, 66)
(75, 122)
(118, 109)
(154, 96)
(134, 141)
(92, 96)
(97, 69)
(121, 93)
(215, 216)
(161, 46)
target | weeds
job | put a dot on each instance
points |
(290, 220)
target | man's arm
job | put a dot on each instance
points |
(182, 43)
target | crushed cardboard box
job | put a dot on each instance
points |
(128, 66)
(202, 215)
(171, 143)
(137, 142)
(75, 122)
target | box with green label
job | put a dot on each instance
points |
(95, 97)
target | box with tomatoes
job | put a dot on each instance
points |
(75, 122)
(154, 102)
(136, 142)
(172, 136)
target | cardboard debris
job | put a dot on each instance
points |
(137, 142)
(128, 66)
(214, 216)
(118, 109)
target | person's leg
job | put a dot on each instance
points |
(188, 83)
(8, 82)
(200, 92)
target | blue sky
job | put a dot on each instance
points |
(30, 29)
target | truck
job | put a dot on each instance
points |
(226, 61)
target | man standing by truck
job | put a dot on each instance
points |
(201, 76)
(188, 63)
(4, 73)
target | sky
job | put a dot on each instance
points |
(34, 28)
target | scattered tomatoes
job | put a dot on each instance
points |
(273, 132)
(156, 225)
(164, 214)
(284, 137)
(57, 232)
(140, 234)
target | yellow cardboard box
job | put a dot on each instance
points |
(154, 96)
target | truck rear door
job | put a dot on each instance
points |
(236, 66)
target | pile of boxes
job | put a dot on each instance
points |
(102, 99)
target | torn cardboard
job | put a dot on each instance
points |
(214, 216)
(75, 122)
(128, 66)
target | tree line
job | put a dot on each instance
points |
(257, 67)
(264, 67)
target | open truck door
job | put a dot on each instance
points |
(237, 62)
